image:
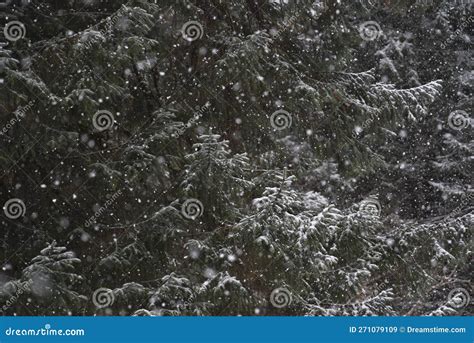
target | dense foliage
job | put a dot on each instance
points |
(242, 157)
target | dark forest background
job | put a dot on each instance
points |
(241, 157)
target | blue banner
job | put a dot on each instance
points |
(236, 329)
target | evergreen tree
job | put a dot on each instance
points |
(235, 158)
